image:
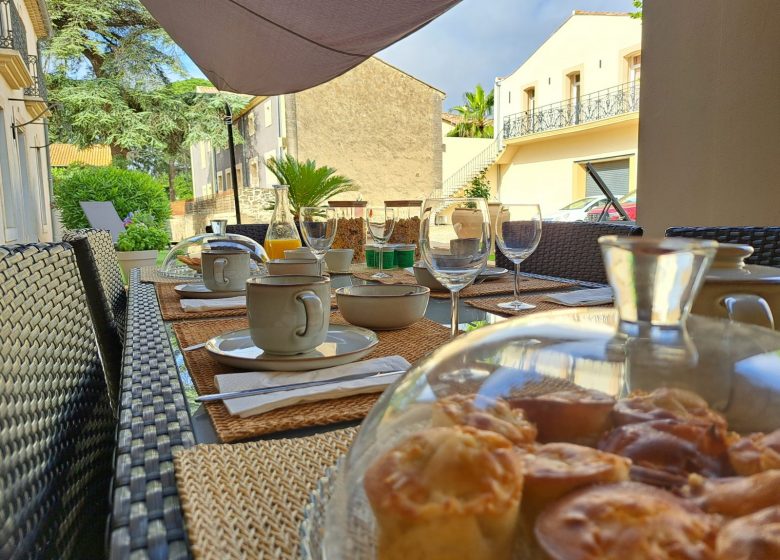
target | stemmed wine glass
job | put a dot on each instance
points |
(380, 222)
(318, 226)
(455, 243)
(518, 231)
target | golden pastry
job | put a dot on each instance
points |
(446, 493)
(663, 404)
(485, 413)
(626, 521)
(756, 453)
(753, 537)
(573, 416)
(735, 496)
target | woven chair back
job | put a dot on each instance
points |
(252, 231)
(569, 250)
(106, 298)
(764, 240)
(56, 425)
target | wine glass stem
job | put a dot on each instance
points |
(454, 297)
(381, 256)
(517, 279)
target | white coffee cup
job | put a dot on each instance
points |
(287, 267)
(301, 253)
(339, 260)
(288, 314)
(225, 270)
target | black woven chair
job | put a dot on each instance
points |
(569, 250)
(56, 426)
(252, 231)
(764, 240)
(106, 297)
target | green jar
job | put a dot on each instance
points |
(371, 256)
(388, 257)
(404, 255)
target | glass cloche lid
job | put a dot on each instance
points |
(183, 260)
(489, 435)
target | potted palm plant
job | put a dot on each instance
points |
(138, 245)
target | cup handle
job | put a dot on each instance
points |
(219, 272)
(748, 308)
(314, 313)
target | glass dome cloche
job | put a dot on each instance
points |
(588, 433)
(183, 260)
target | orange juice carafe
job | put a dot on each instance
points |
(282, 233)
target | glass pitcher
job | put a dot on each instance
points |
(282, 233)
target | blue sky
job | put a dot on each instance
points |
(478, 40)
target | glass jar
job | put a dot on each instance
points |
(407, 222)
(351, 230)
(282, 233)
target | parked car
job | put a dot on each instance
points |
(577, 210)
(628, 202)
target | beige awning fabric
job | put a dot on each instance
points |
(270, 47)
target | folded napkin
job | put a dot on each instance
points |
(192, 305)
(582, 298)
(258, 404)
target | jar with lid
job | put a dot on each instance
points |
(407, 222)
(351, 230)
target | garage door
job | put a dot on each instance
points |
(613, 173)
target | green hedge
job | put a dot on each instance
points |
(130, 191)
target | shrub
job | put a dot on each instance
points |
(130, 191)
(479, 187)
(140, 237)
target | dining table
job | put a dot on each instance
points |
(159, 417)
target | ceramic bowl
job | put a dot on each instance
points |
(381, 307)
(298, 267)
(301, 253)
(731, 255)
(339, 260)
(425, 278)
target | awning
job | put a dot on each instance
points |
(270, 47)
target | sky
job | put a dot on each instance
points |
(478, 40)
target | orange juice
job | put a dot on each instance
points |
(276, 247)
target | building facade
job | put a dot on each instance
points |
(25, 185)
(375, 124)
(574, 101)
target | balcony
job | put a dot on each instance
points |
(596, 106)
(13, 47)
(35, 96)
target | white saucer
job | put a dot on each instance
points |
(199, 291)
(343, 345)
(493, 272)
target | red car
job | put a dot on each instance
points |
(628, 202)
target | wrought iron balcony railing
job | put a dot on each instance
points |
(595, 106)
(12, 32)
(38, 87)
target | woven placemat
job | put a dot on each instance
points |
(171, 310)
(491, 305)
(150, 274)
(412, 343)
(246, 500)
(489, 288)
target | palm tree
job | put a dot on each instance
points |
(309, 185)
(476, 115)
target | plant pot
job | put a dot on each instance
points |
(467, 223)
(132, 259)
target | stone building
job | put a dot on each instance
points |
(376, 124)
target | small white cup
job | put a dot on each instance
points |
(225, 270)
(286, 267)
(339, 260)
(301, 253)
(288, 314)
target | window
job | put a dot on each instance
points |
(574, 96)
(6, 186)
(530, 99)
(250, 123)
(220, 182)
(240, 175)
(267, 115)
(634, 67)
(39, 177)
(207, 190)
(254, 176)
(228, 179)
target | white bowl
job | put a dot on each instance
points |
(297, 267)
(383, 307)
(425, 278)
(301, 253)
(339, 260)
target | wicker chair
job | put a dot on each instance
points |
(764, 240)
(569, 250)
(56, 426)
(252, 231)
(106, 298)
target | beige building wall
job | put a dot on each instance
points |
(710, 114)
(459, 151)
(376, 124)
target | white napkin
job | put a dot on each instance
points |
(213, 304)
(582, 298)
(258, 404)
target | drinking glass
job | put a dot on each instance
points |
(380, 221)
(318, 226)
(455, 243)
(518, 231)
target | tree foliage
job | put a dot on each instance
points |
(476, 115)
(637, 14)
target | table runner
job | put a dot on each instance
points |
(491, 305)
(170, 306)
(150, 274)
(246, 500)
(488, 288)
(412, 343)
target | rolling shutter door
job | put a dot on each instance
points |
(614, 174)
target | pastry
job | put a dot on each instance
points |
(555, 469)
(573, 416)
(485, 413)
(756, 453)
(625, 521)
(735, 496)
(753, 537)
(663, 404)
(443, 493)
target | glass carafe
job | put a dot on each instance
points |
(282, 233)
